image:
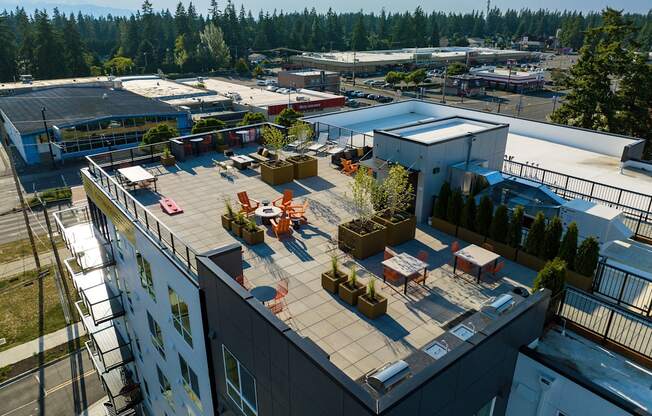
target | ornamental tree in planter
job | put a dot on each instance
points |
(551, 277)
(485, 215)
(167, 158)
(568, 247)
(331, 279)
(362, 236)
(305, 166)
(469, 212)
(551, 239)
(350, 290)
(252, 234)
(371, 304)
(455, 205)
(515, 233)
(238, 223)
(587, 257)
(393, 196)
(439, 218)
(228, 215)
(533, 244)
(276, 171)
(499, 233)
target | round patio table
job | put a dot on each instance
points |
(267, 212)
(263, 293)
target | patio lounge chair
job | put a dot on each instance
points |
(348, 167)
(247, 205)
(281, 226)
(284, 202)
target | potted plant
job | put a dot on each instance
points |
(533, 244)
(305, 166)
(220, 144)
(474, 219)
(371, 304)
(167, 158)
(238, 223)
(252, 234)
(362, 237)
(228, 215)
(331, 279)
(396, 194)
(568, 253)
(499, 233)
(350, 290)
(276, 171)
(439, 218)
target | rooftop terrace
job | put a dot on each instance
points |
(355, 344)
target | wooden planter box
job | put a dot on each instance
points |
(372, 310)
(579, 280)
(530, 261)
(503, 249)
(361, 246)
(349, 295)
(398, 232)
(303, 167)
(226, 222)
(253, 237)
(277, 175)
(168, 161)
(470, 236)
(237, 228)
(332, 283)
(444, 226)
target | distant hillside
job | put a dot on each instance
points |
(89, 9)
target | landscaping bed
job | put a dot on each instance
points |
(276, 172)
(400, 227)
(304, 166)
(361, 239)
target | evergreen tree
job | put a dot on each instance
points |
(500, 224)
(73, 50)
(568, 248)
(587, 257)
(552, 277)
(359, 39)
(48, 48)
(441, 204)
(551, 242)
(534, 241)
(485, 215)
(455, 204)
(7, 51)
(212, 39)
(515, 233)
(469, 213)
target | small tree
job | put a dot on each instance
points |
(485, 214)
(252, 118)
(535, 235)
(302, 132)
(241, 67)
(394, 77)
(397, 190)
(258, 71)
(568, 248)
(515, 233)
(553, 232)
(552, 277)
(361, 196)
(288, 117)
(469, 213)
(456, 68)
(160, 133)
(500, 224)
(587, 257)
(455, 204)
(441, 205)
(275, 140)
(207, 124)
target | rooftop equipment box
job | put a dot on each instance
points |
(595, 220)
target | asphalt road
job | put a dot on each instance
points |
(62, 389)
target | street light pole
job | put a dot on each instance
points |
(47, 133)
(443, 87)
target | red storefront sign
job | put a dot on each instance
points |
(307, 106)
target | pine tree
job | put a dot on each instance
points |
(500, 224)
(568, 248)
(515, 233)
(73, 50)
(359, 39)
(534, 240)
(7, 51)
(47, 49)
(551, 242)
(469, 212)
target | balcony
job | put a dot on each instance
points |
(112, 348)
(103, 303)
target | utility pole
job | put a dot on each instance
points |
(47, 132)
(443, 87)
(61, 274)
(23, 207)
(354, 67)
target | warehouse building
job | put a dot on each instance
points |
(310, 79)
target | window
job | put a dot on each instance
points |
(157, 335)
(119, 245)
(240, 384)
(180, 315)
(166, 389)
(190, 382)
(145, 273)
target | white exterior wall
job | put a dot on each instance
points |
(527, 397)
(164, 274)
(14, 135)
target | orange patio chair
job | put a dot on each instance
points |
(494, 270)
(242, 281)
(390, 274)
(285, 201)
(247, 205)
(299, 211)
(421, 277)
(465, 266)
(348, 167)
(281, 226)
(278, 304)
(455, 247)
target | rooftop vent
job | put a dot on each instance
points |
(388, 376)
(498, 305)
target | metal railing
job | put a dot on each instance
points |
(342, 136)
(609, 322)
(636, 206)
(623, 288)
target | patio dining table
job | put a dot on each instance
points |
(405, 265)
(477, 256)
(137, 176)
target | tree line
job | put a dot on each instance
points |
(186, 40)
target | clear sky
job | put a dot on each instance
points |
(641, 6)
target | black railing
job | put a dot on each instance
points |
(607, 321)
(636, 206)
(342, 136)
(623, 288)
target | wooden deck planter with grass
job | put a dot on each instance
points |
(530, 261)
(360, 245)
(253, 237)
(168, 160)
(226, 222)
(330, 283)
(304, 166)
(277, 172)
(348, 294)
(444, 226)
(401, 228)
(237, 228)
(372, 308)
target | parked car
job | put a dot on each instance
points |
(261, 83)
(270, 82)
(373, 97)
(360, 94)
(384, 99)
(378, 83)
(353, 104)
(271, 88)
(368, 81)
(282, 91)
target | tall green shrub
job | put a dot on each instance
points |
(515, 233)
(454, 210)
(441, 204)
(551, 240)
(534, 240)
(587, 257)
(568, 248)
(552, 277)
(468, 214)
(500, 224)
(485, 214)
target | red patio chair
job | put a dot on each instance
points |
(284, 202)
(281, 226)
(298, 211)
(278, 304)
(247, 205)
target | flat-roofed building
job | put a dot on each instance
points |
(511, 79)
(318, 80)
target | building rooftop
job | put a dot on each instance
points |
(155, 87)
(75, 104)
(441, 130)
(52, 82)
(355, 344)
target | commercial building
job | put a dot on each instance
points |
(510, 79)
(80, 120)
(30, 84)
(465, 85)
(310, 79)
(374, 61)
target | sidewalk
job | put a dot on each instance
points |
(27, 263)
(30, 348)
